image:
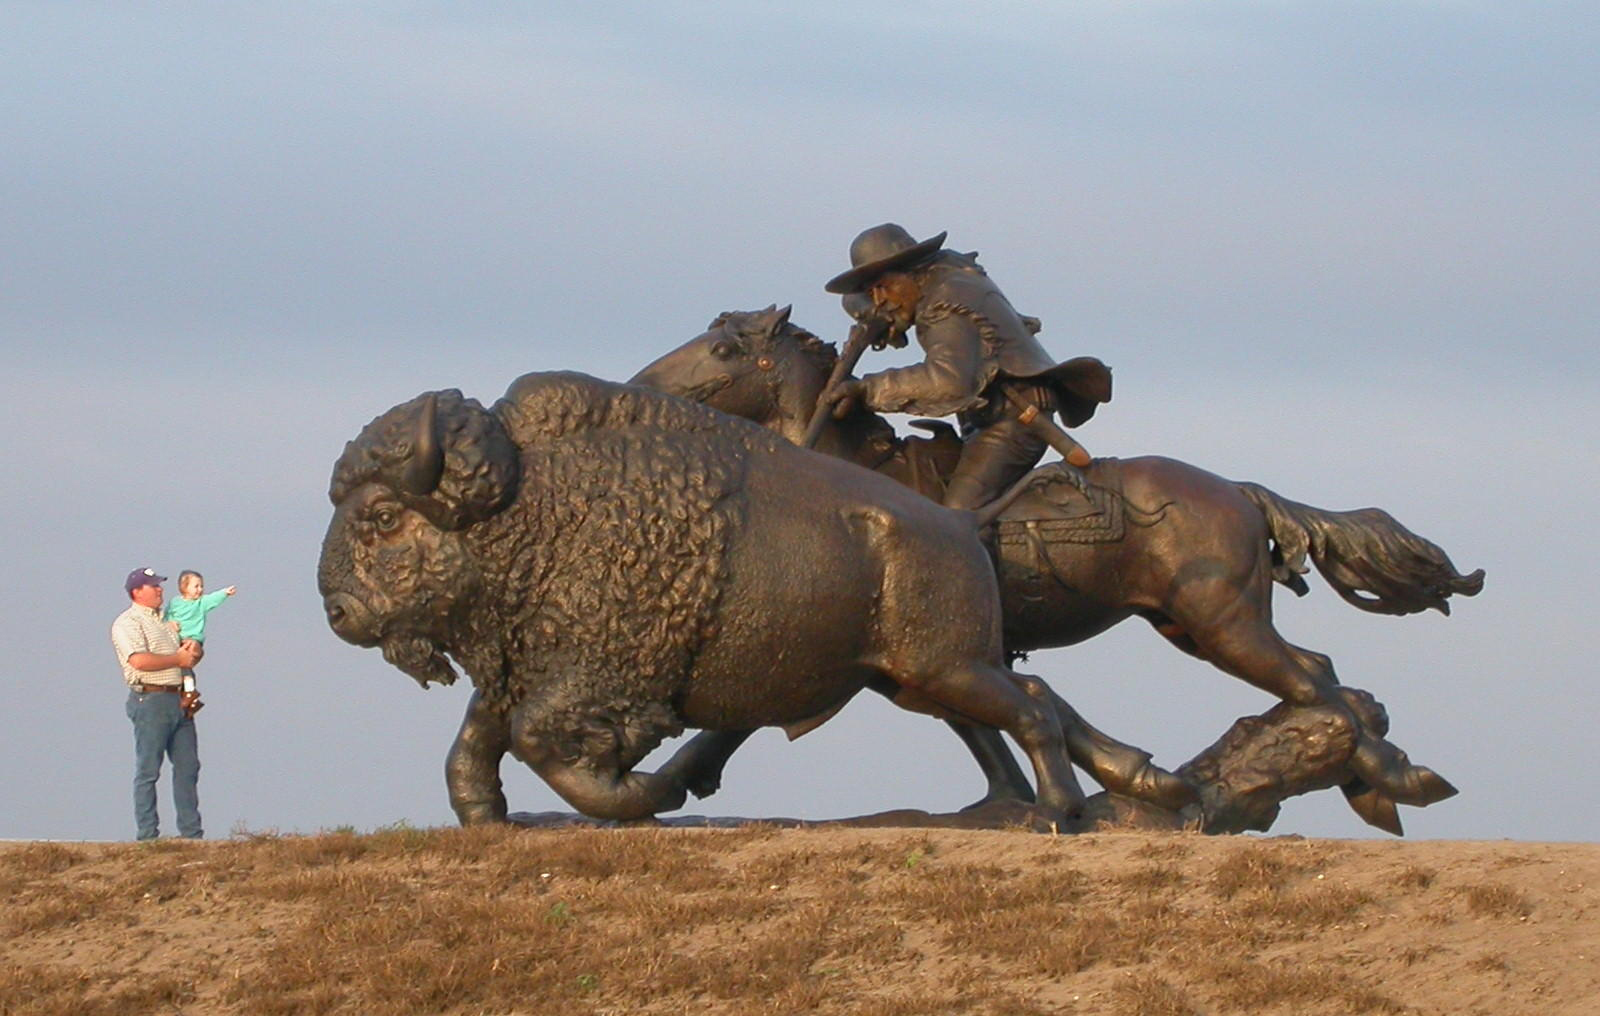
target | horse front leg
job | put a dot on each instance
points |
(472, 767)
(1121, 768)
(1005, 779)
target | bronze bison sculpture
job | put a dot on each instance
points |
(611, 565)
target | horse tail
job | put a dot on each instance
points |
(1370, 560)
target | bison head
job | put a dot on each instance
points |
(394, 570)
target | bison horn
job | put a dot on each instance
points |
(427, 458)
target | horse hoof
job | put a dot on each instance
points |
(1374, 807)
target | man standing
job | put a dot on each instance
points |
(981, 360)
(152, 662)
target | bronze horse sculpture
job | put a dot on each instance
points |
(1191, 553)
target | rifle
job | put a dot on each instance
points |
(1073, 456)
(862, 335)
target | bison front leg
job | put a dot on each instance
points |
(472, 769)
(698, 765)
(611, 793)
(595, 782)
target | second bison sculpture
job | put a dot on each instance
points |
(610, 565)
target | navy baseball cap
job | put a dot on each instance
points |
(143, 577)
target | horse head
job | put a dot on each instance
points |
(753, 364)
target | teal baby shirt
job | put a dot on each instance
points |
(191, 614)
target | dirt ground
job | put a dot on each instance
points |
(776, 920)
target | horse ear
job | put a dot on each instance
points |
(777, 318)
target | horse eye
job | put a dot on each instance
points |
(722, 349)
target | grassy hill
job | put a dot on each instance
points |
(868, 922)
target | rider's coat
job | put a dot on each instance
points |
(970, 335)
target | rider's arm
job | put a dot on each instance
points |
(947, 380)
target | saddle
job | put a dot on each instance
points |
(1053, 512)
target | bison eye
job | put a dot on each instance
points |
(386, 519)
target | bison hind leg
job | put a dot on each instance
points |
(989, 694)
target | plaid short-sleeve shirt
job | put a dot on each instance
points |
(141, 630)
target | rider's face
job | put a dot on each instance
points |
(894, 297)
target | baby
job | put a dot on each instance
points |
(187, 615)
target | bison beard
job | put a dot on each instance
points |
(420, 658)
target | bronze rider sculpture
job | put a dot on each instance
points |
(981, 363)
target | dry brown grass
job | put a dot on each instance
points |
(1251, 986)
(1490, 963)
(1146, 994)
(1415, 876)
(34, 990)
(754, 920)
(1495, 900)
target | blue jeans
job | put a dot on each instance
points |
(161, 728)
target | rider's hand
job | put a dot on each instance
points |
(845, 396)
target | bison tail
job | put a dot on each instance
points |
(1370, 560)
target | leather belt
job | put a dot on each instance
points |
(147, 688)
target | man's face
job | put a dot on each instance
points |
(147, 596)
(894, 298)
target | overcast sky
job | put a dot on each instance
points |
(1347, 250)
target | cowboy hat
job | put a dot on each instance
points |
(881, 249)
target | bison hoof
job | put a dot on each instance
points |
(480, 814)
(1000, 795)
(1048, 820)
(704, 786)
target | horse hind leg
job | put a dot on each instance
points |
(1250, 649)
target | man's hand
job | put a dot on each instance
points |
(846, 396)
(189, 653)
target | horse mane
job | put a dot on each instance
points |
(823, 355)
